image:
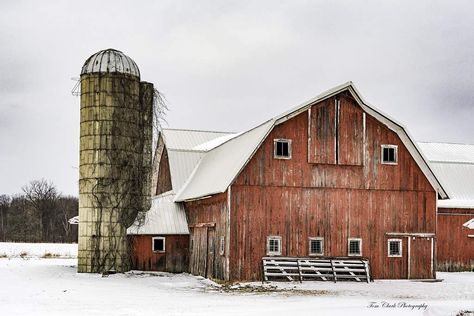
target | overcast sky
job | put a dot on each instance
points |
(229, 65)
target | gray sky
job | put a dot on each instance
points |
(228, 65)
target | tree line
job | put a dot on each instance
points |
(38, 214)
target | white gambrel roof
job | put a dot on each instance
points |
(185, 150)
(165, 217)
(220, 166)
(454, 166)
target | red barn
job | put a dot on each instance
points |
(331, 177)
(454, 166)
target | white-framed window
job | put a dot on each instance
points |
(221, 245)
(274, 245)
(158, 244)
(316, 246)
(389, 154)
(282, 148)
(354, 247)
(394, 247)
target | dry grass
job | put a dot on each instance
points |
(49, 255)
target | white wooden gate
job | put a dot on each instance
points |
(323, 269)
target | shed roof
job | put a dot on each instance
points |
(221, 165)
(164, 217)
(454, 166)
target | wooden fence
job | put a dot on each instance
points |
(322, 269)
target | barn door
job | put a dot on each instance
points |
(197, 263)
(201, 261)
(421, 257)
(210, 252)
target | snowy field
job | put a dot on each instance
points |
(37, 286)
(39, 250)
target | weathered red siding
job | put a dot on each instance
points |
(164, 176)
(174, 259)
(297, 200)
(207, 220)
(322, 147)
(454, 248)
(350, 133)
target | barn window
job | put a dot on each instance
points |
(316, 246)
(389, 154)
(273, 245)
(394, 247)
(282, 148)
(158, 244)
(355, 247)
(221, 245)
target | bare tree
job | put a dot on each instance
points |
(4, 207)
(42, 196)
(67, 207)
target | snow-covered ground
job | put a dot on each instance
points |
(35, 286)
(29, 250)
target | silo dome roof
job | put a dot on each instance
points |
(110, 60)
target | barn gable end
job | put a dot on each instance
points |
(297, 199)
(331, 185)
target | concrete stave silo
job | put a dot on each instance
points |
(115, 158)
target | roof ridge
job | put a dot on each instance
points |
(454, 162)
(196, 130)
(446, 143)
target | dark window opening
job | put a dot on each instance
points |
(282, 148)
(274, 245)
(159, 244)
(389, 154)
(354, 247)
(394, 248)
(316, 247)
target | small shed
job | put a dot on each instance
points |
(161, 241)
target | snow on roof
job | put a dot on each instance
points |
(219, 167)
(164, 217)
(454, 166)
(469, 224)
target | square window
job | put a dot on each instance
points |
(158, 244)
(394, 247)
(316, 246)
(355, 247)
(274, 245)
(389, 154)
(282, 148)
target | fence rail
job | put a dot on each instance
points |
(323, 269)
